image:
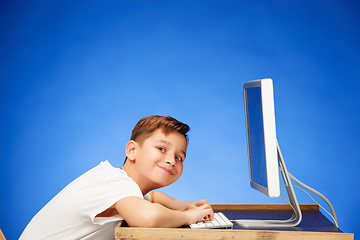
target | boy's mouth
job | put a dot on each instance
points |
(167, 170)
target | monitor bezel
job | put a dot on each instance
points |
(270, 140)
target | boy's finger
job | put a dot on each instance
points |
(211, 215)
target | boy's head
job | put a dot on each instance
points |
(156, 152)
(148, 125)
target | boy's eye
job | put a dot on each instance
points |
(179, 159)
(161, 149)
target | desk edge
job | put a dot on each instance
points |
(262, 207)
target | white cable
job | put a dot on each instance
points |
(293, 217)
(311, 199)
(316, 192)
(287, 179)
(286, 199)
(335, 221)
(320, 195)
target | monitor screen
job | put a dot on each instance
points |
(261, 136)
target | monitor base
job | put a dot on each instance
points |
(295, 218)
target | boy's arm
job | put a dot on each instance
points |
(169, 202)
(165, 200)
(138, 212)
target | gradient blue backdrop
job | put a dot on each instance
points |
(77, 75)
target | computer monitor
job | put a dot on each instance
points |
(265, 158)
(261, 136)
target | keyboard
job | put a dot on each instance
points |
(220, 221)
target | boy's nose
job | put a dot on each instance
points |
(171, 162)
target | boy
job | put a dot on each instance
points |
(91, 205)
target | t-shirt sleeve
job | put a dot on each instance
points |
(148, 197)
(71, 214)
(104, 189)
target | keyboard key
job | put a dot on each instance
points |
(220, 221)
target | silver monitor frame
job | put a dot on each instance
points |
(264, 108)
(268, 114)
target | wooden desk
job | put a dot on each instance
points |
(313, 226)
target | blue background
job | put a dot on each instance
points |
(77, 75)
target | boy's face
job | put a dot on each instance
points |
(160, 158)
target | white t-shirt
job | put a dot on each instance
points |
(71, 213)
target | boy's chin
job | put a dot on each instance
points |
(161, 184)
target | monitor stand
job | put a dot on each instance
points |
(295, 218)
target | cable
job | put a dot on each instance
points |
(287, 180)
(320, 195)
(335, 221)
(316, 192)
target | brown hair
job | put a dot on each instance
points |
(147, 125)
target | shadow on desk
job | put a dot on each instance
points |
(314, 225)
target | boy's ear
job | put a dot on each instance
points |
(130, 150)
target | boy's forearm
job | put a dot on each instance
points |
(165, 217)
(141, 213)
(169, 202)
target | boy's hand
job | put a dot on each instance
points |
(194, 211)
(196, 214)
(201, 207)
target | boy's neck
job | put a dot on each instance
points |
(137, 179)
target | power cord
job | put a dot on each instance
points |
(333, 216)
